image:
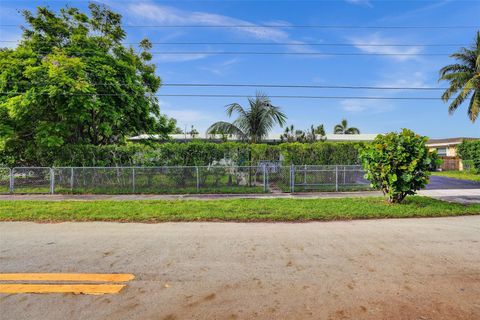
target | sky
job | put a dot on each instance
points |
(426, 117)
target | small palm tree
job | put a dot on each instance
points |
(342, 128)
(464, 78)
(252, 124)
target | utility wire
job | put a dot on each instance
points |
(241, 96)
(276, 26)
(299, 86)
(293, 44)
(253, 85)
(274, 53)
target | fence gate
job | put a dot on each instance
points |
(327, 178)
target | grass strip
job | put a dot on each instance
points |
(462, 175)
(229, 210)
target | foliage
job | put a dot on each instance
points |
(320, 153)
(311, 135)
(193, 132)
(193, 153)
(470, 150)
(71, 81)
(397, 164)
(252, 124)
(342, 128)
(464, 78)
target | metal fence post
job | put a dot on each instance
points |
(292, 178)
(267, 175)
(71, 179)
(198, 179)
(52, 181)
(265, 188)
(133, 179)
(336, 178)
(305, 174)
(11, 187)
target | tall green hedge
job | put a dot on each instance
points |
(195, 153)
(470, 150)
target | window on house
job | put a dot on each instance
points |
(442, 151)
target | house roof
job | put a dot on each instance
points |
(448, 141)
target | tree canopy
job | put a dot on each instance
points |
(70, 80)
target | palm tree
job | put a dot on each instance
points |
(464, 78)
(342, 128)
(252, 124)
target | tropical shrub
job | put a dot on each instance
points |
(397, 163)
(470, 150)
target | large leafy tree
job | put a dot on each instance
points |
(252, 124)
(464, 78)
(343, 128)
(72, 81)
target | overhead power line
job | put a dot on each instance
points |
(276, 53)
(242, 96)
(312, 26)
(257, 85)
(299, 86)
(303, 53)
(326, 44)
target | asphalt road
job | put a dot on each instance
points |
(372, 269)
(437, 182)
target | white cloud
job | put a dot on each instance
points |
(358, 105)
(167, 15)
(403, 79)
(170, 16)
(366, 3)
(178, 57)
(186, 116)
(221, 68)
(368, 44)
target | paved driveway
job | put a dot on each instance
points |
(377, 269)
(437, 182)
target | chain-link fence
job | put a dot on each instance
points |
(328, 178)
(5, 180)
(171, 180)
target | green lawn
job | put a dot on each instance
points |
(229, 210)
(463, 175)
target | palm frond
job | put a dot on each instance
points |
(453, 68)
(352, 130)
(474, 107)
(226, 128)
(338, 129)
(459, 99)
(235, 107)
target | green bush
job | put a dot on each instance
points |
(470, 150)
(195, 153)
(397, 164)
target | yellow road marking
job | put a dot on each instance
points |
(61, 288)
(94, 277)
